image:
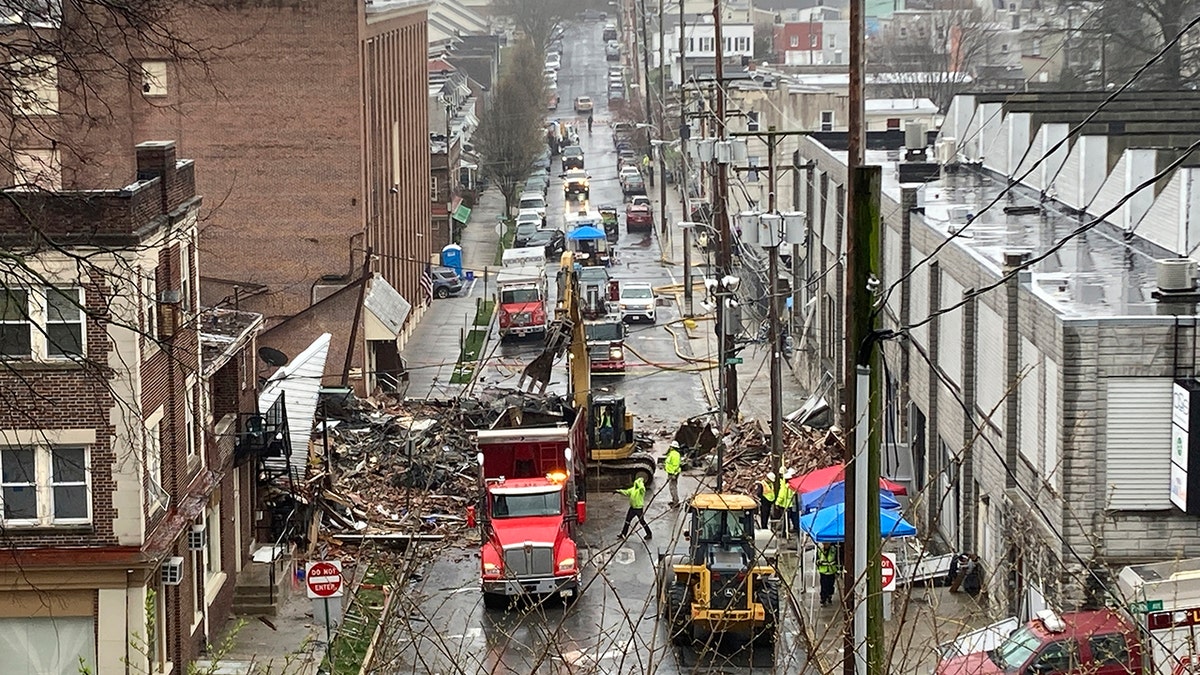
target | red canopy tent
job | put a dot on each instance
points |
(815, 480)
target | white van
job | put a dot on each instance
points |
(533, 200)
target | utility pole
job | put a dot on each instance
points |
(641, 10)
(662, 127)
(684, 181)
(721, 220)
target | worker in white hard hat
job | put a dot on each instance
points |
(673, 465)
(765, 491)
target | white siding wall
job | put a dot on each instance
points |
(1093, 167)
(919, 299)
(1068, 184)
(1031, 404)
(995, 138)
(1050, 468)
(1138, 443)
(1141, 167)
(1162, 223)
(990, 384)
(950, 335)
(1052, 134)
(1111, 192)
(891, 266)
(1018, 141)
(1037, 149)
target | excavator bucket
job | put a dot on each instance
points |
(696, 438)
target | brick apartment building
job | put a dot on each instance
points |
(107, 462)
(310, 120)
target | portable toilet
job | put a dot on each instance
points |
(452, 258)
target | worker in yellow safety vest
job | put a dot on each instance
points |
(766, 498)
(785, 498)
(828, 567)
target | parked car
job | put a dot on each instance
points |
(637, 301)
(583, 104)
(445, 282)
(572, 157)
(590, 14)
(549, 238)
(533, 200)
(610, 32)
(616, 80)
(530, 216)
(627, 171)
(640, 200)
(616, 93)
(525, 230)
(553, 62)
(612, 51)
(552, 99)
(634, 185)
(639, 218)
(538, 182)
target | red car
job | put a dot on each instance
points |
(638, 218)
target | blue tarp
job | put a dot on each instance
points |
(835, 493)
(829, 524)
(585, 232)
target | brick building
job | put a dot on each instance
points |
(310, 120)
(108, 460)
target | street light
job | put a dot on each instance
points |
(723, 292)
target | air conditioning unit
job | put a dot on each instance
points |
(169, 317)
(945, 151)
(171, 572)
(1176, 274)
(197, 538)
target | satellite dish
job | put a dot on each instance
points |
(272, 356)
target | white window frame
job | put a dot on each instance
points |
(35, 86)
(150, 306)
(185, 276)
(44, 485)
(189, 418)
(433, 188)
(831, 41)
(157, 496)
(812, 41)
(826, 125)
(37, 169)
(212, 542)
(36, 316)
(794, 41)
(80, 321)
(154, 78)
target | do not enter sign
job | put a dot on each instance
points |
(887, 569)
(324, 579)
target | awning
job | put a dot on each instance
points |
(462, 214)
(298, 383)
(386, 310)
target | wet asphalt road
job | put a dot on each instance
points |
(440, 624)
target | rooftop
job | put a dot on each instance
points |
(1099, 274)
(223, 332)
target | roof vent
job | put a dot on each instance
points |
(1176, 275)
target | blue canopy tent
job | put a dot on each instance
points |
(585, 232)
(835, 493)
(829, 524)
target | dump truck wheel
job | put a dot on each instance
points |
(495, 601)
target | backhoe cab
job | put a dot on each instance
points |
(714, 583)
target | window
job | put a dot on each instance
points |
(37, 169)
(35, 86)
(830, 41)
(752, 120)
(812, 40)
(149, 306)
(189, 416)
(691, 44)
(45, 485)
(893, 123)
(185, 277)
(707, 44)
(1109, 649)
(1036, 47)
(64, 322)
(903, 32)
(41, 323)
(1057, 657)
(154, 78)
(156, 496)
(1004, 49)
(396, 145)
(212, 526)
(433, 189)
(826, 120)
(795, 41)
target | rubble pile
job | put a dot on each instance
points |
(748, 453)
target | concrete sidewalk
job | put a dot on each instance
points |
(433, 348)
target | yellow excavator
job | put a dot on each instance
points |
(715, 582)
(615, 454)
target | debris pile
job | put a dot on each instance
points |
(747, 453)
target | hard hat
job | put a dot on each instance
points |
(789, 473)
(674, 444)
(770, 475)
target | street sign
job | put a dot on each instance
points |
(733, 361)
(1147, 606)
(887, 569)
(324, 579)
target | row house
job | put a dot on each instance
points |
(452, 114)
(812, 37)
(700, 47)
(307, 167)
(1035, 400)
(125, 520)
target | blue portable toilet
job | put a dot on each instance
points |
(452, 258)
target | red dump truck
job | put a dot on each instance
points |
(531, 502)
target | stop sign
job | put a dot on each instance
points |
(324, 579)
(887, 570)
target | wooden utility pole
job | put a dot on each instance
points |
(721, 221)
(862, 637)
(684, 180)
(662, 129)
(640, 7)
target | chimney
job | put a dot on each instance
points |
(156, 159)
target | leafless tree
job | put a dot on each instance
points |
(1126, 33)
(933, 59)
(510, 136)
(537, 19)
